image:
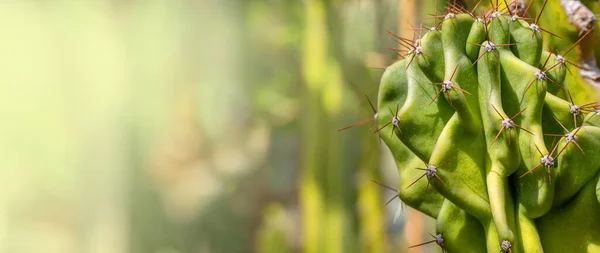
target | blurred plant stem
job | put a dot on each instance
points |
(323, 213)
(272, 233)
(328, 187)
(371, 219)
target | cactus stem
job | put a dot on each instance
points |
(546, 160)
(409, 62)
(430, 172)
(562, 61)
(570, 137)
(508, 124)
(486, 51)
(576, 109)
(415, 53)
(417, 49)
(489, 47)
(532, 81)
(541, 75)
(447, 86)
(395, 121)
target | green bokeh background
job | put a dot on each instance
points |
(176, 126)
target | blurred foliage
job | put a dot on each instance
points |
(192, 126)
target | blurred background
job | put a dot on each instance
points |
(176, 126)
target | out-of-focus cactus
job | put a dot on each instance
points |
(492, 136)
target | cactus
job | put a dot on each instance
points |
(488, 139)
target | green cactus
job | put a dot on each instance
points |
(481, 111)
